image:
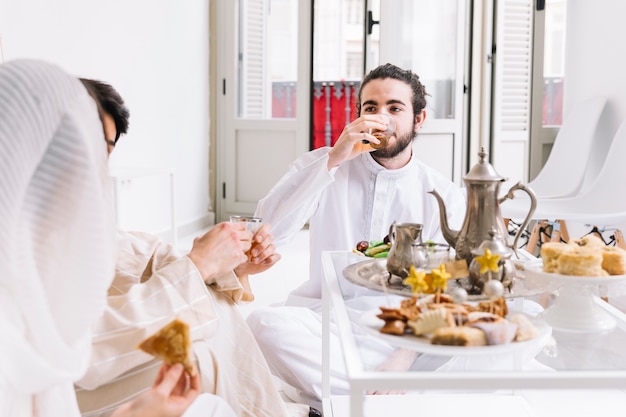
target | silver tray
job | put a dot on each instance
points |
(373, 274)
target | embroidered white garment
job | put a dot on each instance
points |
(356, 201)
(153, 283)
(57, 251)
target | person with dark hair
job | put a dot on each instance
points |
(154, 283)
(348, 193)
(58, 252)
(113, 112)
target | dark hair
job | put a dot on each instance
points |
(391, 71)
(110, 101)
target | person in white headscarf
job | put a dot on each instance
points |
(154, 282)
(57, 248)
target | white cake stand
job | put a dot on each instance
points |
(575, 308)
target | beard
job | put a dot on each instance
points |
(394, 149)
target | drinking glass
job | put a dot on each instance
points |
(383, 135)
(252, 223)
(430, 255)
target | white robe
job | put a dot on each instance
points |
(57, 248)
(153, 284)
(57, 260)
(356, 201)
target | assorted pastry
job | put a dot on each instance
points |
(447, 319)
(172, 344)
(444, 322)
(587, 256)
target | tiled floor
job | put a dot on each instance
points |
(273, 285)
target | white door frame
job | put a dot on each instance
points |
(441, 143)
(252, 154)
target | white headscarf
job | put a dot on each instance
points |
(57, 251)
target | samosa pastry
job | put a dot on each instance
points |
(171, 344)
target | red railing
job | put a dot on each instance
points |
(552, 101)
(334, 106)
(283, 100)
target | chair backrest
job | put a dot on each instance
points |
(607, 193)
(573, 153)
(603, 203)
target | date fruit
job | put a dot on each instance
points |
(362, 246)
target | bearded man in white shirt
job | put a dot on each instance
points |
(349, 193)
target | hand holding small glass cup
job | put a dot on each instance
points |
(383, 135)
(253, 224)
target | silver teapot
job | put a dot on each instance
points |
(483, 210)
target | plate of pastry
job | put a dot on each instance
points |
(536, 275)
(581, 259)
(578, 272)
(581, 266)
(450, 329)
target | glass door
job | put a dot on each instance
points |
(351, 37)
(338, 59)
(548, 76)
(429, 37)
(263, 72)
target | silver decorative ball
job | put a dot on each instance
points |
(459, 295)
(493, 288)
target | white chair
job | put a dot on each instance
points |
(602, 203)
(574, 152)
(578, 153)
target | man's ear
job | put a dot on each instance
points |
(419, 120)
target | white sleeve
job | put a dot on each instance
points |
(292, 201)
(176, 290)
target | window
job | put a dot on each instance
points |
(553, 62)
(267, 29)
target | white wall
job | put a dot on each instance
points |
(156, 54)
(595, 63)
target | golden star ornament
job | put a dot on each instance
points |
(488, 262)
(416, 280)
(440, 277)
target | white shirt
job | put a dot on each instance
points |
(358, 200)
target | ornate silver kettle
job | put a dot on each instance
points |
(483, 210)
(403, 236)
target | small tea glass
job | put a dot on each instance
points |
(252, 223)
(429, 255)
(383, 135)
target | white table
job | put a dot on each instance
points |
(588, 369)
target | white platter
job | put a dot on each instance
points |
(575, 308)
(372, 324)
(534, 270)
